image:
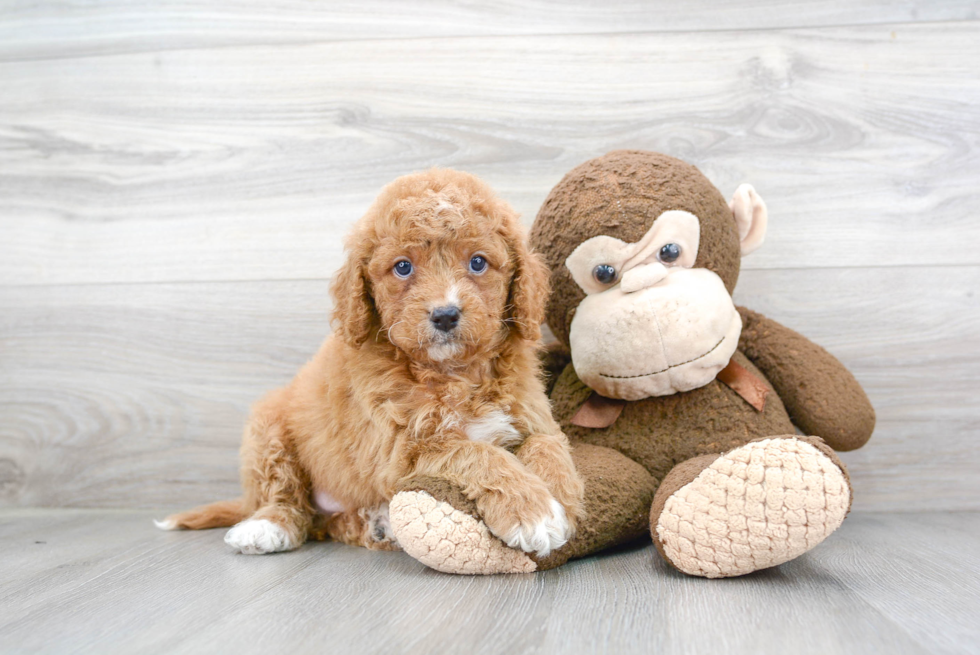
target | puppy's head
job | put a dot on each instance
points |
(439, 267)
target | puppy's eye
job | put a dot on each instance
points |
(604, 273)
(670, 253)
(403, 268)
(478, 264)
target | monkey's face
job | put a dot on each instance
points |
(650, 324)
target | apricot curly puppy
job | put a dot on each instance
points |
(432, 371)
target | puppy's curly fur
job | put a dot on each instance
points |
(392, 394)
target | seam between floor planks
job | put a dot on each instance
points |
(326, 280)
(807, 15)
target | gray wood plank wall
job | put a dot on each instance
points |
(176, 179)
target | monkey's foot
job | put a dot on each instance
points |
(756, 506)
(430, 526)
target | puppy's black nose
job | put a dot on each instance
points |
(445, 318)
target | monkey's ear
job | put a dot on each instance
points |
(751, 216)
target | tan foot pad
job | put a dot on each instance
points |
(757, 506)
(451, 541)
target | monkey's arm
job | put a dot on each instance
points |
(821, 396)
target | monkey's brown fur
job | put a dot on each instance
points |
(620, 195)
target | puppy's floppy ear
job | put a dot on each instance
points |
(528, 286)
(354, 313)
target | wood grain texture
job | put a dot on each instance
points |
(108, 582)
(176, 179)
(238, 163)
(134, 395)
(32, 30)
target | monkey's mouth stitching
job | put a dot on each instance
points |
(644, 375)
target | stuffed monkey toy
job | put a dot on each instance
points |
(682, 408)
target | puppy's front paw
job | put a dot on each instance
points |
(547, 457)
(542, 535)
(570, 494)
(258, 537)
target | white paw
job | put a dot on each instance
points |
(258, 537)
(543, 536)
(165, 524)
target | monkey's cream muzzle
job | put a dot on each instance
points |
(660, 326)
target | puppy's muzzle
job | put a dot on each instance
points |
(445, 319)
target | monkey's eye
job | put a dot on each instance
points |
(670, 253)
(403, 268)
(604, 273)
(478, 264)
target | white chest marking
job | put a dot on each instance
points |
(494, 428)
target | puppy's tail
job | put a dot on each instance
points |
(222, 514)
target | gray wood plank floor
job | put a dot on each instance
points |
(108, 582)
